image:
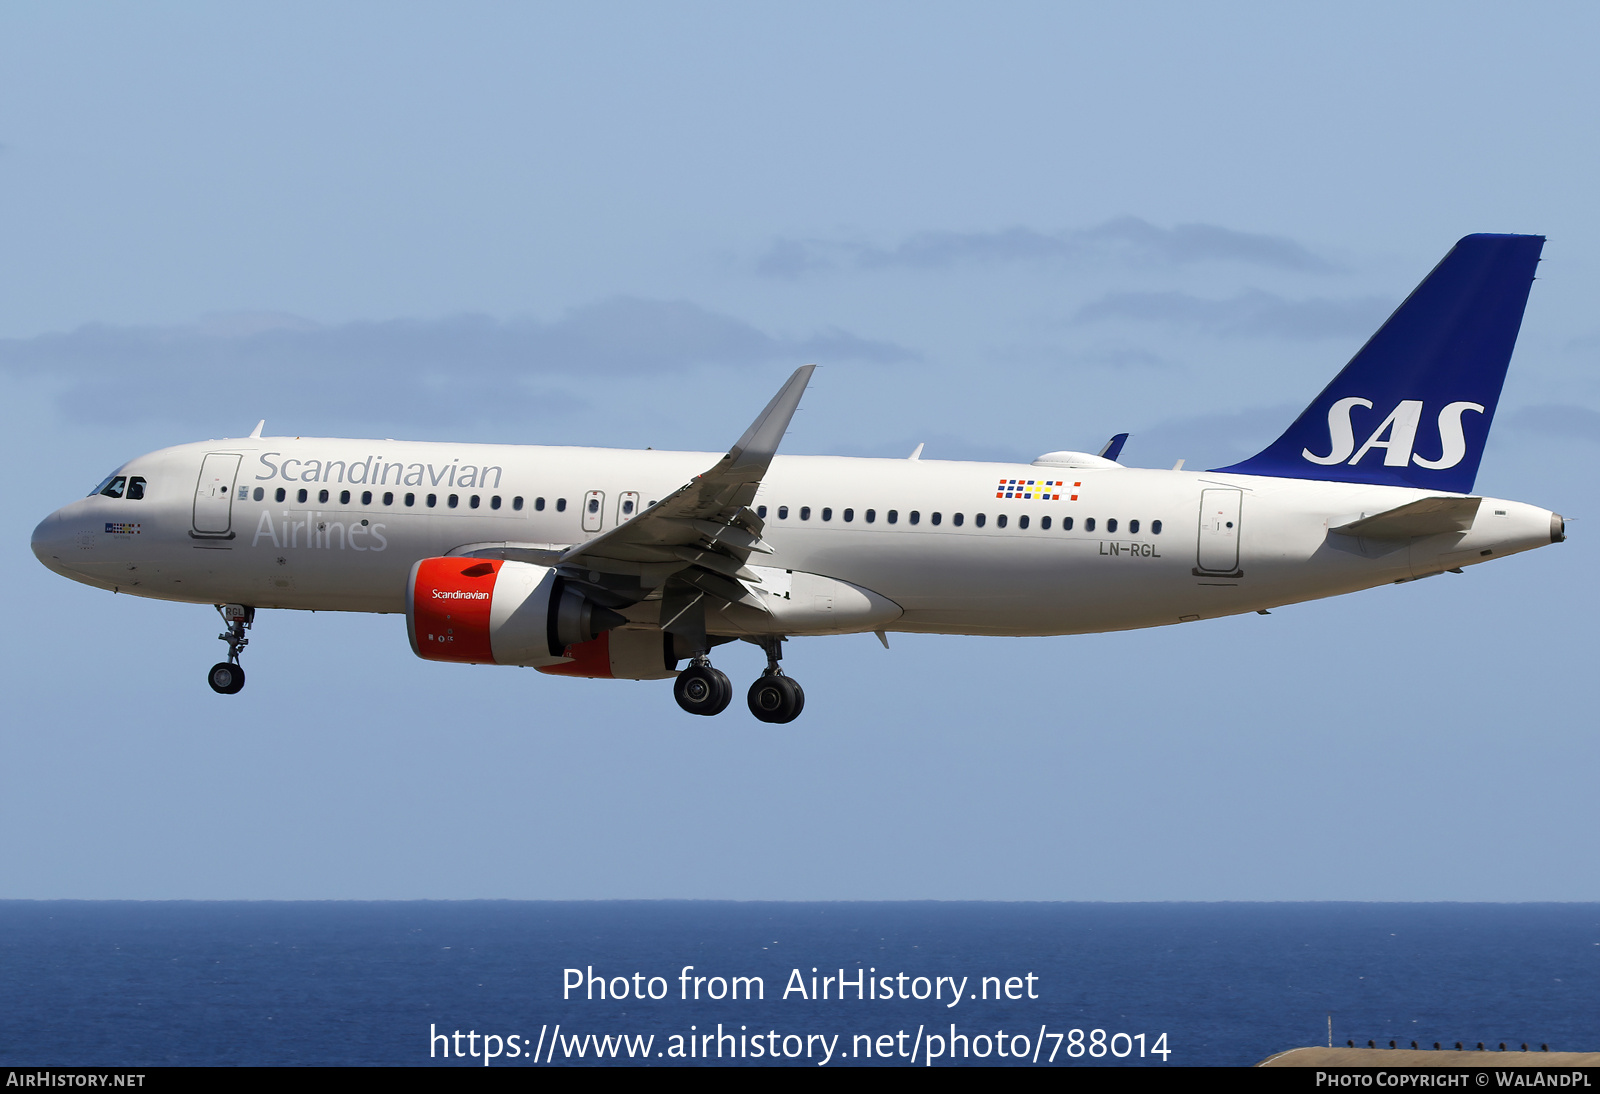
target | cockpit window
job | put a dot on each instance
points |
(114, 486)
(105, 484)
(136, 488)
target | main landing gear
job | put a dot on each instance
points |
(701, 689)
(227, 677)
(774, 697)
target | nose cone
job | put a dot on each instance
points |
(50, 542)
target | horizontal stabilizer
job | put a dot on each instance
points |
(1427, 517)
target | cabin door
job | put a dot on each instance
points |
(213, 494)
(1219, 531)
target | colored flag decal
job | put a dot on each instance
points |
(118, 529)
(1034, 489)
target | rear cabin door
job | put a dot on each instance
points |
(213, 494)
(1219, 531)
(594, 510)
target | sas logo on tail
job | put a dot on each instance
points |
(1396, 435)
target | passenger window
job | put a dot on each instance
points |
(561, 505)
(805, 512)
(1155, 528)
(1022, 521)
(344, 497)
(279, 494)
(999, 522)
(894, 515)
(1088, 524)
(300, 495)
(388, 497)
(115, 487)
(849, 515)
(761, 511)
(1066, 524)
(957, 520)
(1111, 525)
(627, 506)
(783, 512)
(322, 497)
(433, 500)
(979, 519)
(538, 505)
(260, 494)
(936, 518)
(366, 497)
(473, 502)
(594, 505)
(516, 503)
(494, 502)
(1044, 524)
(411, 499)
(872, 515)
(1133, 527)
(454, 500)
(827, 514)
(916, 517)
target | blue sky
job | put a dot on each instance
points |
(1000, 231)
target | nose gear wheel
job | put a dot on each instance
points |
(227, 677)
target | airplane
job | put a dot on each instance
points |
(616, 564)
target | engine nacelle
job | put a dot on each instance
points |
(485, 611)
(621, 654)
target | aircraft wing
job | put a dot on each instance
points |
(694, 541)
(1425, 517)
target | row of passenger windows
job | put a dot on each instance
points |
(431, 501)
(979, 520)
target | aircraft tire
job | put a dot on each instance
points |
(702, 690)
(776, 699)
(724, 691)
(226, 678)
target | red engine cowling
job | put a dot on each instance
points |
(485, 611)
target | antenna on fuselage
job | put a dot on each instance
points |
(916, 453)
(256, 432)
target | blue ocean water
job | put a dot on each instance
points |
(165, 983)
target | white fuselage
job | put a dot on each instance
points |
(1144, 547)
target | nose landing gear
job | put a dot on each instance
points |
(227, 677)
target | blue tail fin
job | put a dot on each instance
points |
(1414, 406)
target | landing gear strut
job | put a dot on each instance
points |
(701, 689)
(227, 677)
(775, 697)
